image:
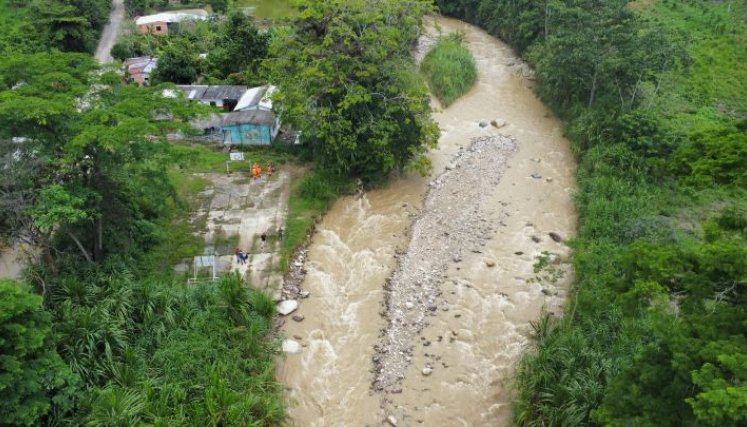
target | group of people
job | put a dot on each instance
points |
(242, 256)
(257, 170)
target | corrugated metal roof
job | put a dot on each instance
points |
(255, 117)
(250, 98)
(141, 63)
(224, 92)
(266, 101)
(175, 16)
(257, 98)
(210, 93)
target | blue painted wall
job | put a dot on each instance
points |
(249, 134)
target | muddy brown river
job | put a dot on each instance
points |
(461, 364)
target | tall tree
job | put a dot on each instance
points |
(92, 156)
(178, 62)
(239, 48)
(348, 82)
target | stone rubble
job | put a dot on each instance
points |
(451, 223)
(295, 276)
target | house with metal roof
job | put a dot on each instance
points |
(159, 23)
(252, 127)
(139, 69)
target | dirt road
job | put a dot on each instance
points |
(109, 35)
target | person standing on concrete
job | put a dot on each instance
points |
(240, 256)
(280, 234)
(263, 237)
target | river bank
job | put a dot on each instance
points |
(460, 365)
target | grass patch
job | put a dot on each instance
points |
(449, 68)
(714, 89)
(199, 158)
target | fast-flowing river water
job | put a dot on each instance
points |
(461, 360)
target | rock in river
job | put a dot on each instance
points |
(287, 307)
(290, 346)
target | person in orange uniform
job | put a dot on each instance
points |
(256, 171)
(270, 169)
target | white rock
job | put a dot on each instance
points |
(409, 305)
(287, 307)
(290, 346)
(427, 371)
(392, 420)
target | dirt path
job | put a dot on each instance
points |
(438, 345)
(110, 32)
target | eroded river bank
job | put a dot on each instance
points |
(437, 273)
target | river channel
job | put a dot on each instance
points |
(462, 362)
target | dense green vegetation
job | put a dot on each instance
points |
(100, 331)
(449, 68)
(41, 25)
(348, 82)
(29, 365)
(96, 190)
(654, 95)
(234, 50)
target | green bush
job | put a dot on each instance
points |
(715, 156)
(122, 51)
(449, 68)
(31, 372)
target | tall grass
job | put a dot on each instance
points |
(449, 68)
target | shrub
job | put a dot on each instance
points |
(122, 51)
(714, 156)
(450, 68)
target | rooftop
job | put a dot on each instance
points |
(140, 64)
(173, 16)
(224, 92)
(257, 97)
(257, 117)
(205, 92)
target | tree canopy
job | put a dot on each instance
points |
(87, 157)
(348, 82)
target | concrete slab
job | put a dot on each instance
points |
(235, 205)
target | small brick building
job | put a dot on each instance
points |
(159, 23)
